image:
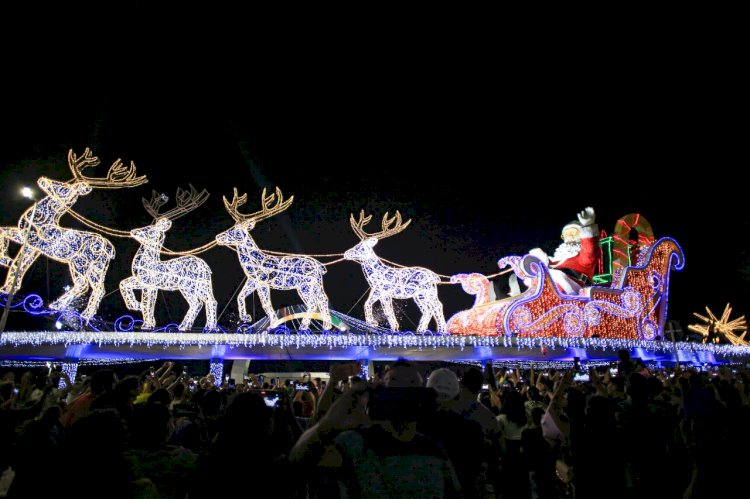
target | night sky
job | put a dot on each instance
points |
(486, 159)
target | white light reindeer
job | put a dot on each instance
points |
(265, 272)
(188, 274)
(387, 283)
(87, 254)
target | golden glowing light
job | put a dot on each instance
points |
(39, 233)
(722, 326)
(189, 275)
(633, 309)
(265, 271)
(387, 282)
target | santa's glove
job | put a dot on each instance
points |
(587, 217)
(540, 254)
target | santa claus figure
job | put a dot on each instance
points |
(573, 265)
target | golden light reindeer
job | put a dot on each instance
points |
(187, 274)
(265, 272)
(87, 254)
(387, 282)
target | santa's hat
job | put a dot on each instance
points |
(572, 224)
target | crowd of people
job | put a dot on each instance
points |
(629, 430)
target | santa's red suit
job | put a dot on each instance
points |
(573, 265)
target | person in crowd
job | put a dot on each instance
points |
(461, 437)
(102, 383)
(384, 456)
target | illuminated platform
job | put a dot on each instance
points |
(117, 346)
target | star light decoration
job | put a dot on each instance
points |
(723, 326)
(188, 274)
(387, 282)
(39, 233)
(265, 272)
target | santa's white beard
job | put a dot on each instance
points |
(566, 250)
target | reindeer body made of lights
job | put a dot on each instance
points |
(87, 254)
(188, 274)
(265, 272)
(387, 282)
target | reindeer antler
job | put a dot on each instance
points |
(187, 201)
(268, 209)
(387, 225)
(118, 175)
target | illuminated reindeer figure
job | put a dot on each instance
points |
(188, 274)
(387, 283)
(39, 233)
(265, 272)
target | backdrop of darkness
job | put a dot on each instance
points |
(489, 157)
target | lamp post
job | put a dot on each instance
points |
(27, 193)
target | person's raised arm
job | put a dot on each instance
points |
(165, 371)
(315, 446)
(555, 406)
(339, 372)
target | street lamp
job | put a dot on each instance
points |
(26, 192)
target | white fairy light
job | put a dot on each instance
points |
(387, 283)
(265, 272)
(217, 369)
(39, 232)
(188, 274)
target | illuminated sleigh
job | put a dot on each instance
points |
(634, 307)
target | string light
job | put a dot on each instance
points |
(629, 314)
(635, 308)
(476, 284)
(188, 274)
(478, 347)
(265, 271)
(39, 232)
(216, 368)
(387, 283)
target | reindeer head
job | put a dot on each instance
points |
(240, 232)
(64, 193)
(363, 250)
(152, 233)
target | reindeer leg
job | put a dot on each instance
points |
(437, 312)
(195, 306)
(126, 290)
(321, 303)
(80, 286)
(430, 306)
(387, 304)
(5, 260)
(264, 293)
(210, 303)
(425, 307)
(19, 266)
(148, 304)
(309, 300)
(369, 317)
(8, 234)
(246, 290)
(96, 281)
